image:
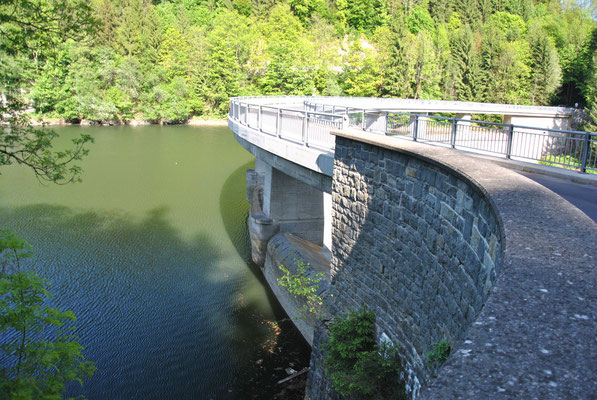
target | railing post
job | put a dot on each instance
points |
(453, 136)
(247, 114)
(385, 129)
(346, 119)
(585, 154)
(259, 124)
(305, 127)
(278, 122)
(363, 127)
(509, 141)
(416, 128)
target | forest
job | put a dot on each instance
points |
(169, 60)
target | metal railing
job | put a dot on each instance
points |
(556, 147)
(304, 121)
(295, 124)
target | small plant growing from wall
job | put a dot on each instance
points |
(438, 354)
(304, 284)
(357, 366)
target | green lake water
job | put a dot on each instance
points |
(151, 252)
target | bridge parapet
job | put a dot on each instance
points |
(307, 121)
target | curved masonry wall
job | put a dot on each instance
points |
(417, 243)
(444, 246)
(532, 337)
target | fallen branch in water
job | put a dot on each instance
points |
(302, 371)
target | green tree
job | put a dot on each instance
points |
(545, 68)
(291, 67)
(29, 29)
(41, 364)
(419, 20)
(139, 32)
(227, 53)
(398, 57)
(464, 80)
(39, 25)
(505, 59)
(45, 355)
(361, 75)
(304, 9)
(362, 15)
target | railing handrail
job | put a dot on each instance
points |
(511, 140)
(480, 108)
(477, 121)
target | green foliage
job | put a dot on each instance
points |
(43, 354)
(22, 31)
(128, 59)
(439, 354)
(567, 162)
(304, 9)
(357, 366)
(40, 353)
(362, 15)
(22, 144)
(43, 24)
(419, 20)
(304, 284)
(362, 74)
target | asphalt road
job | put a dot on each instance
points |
(582, 196)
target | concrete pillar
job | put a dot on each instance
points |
(417, 125)
(375, 122)
(296, 207)
(466, 117)
(281, 203)
(422, 128)
(537, 144)
(261, 227)
(463, 128)
(539, 122)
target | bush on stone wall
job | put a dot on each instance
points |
(305, 285)
(357, 366)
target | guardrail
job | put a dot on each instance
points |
(304, 121)
(308, 128)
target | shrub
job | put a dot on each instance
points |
(439, 354)
(305, 284)
(357, 366)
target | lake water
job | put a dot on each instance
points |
(151, 252)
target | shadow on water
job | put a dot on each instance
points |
(285, 347)
(155, 313)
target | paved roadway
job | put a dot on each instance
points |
(582, 196)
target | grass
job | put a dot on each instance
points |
(567, 162)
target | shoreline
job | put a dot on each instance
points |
(133, 122)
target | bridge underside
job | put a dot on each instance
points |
(281, 203)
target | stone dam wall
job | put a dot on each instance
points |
(443, 246)
(417, 243)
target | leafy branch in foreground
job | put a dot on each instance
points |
(23, 144)
(42, 354)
